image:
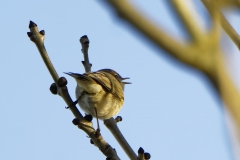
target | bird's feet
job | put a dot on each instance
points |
(97, 133)
(73, 104)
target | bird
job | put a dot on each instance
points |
(100, 93)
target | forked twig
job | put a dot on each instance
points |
(60, 88)
(206, 57)
(223, 21)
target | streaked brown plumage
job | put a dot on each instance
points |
(102, 90)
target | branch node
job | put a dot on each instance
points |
(147, 155)
(29, 34)
(88, 118)
(62, 82)
(140, 150)
(53, 88)
(76, 121)
(84, 39)
(42, 32)
(118, 119)
(91, 141)
(84, 64)
(32, 24)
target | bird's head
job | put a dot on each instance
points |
(116, 75)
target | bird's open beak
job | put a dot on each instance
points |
(125, 78)
(126, 82)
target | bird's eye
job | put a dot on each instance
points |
(116, 75)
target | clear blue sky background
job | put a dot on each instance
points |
(170, 109)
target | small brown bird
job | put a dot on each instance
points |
(100, 93)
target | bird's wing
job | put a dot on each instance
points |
(105, 80)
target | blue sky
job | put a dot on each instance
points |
(170, 109)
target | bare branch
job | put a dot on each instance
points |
(223, 21)
(228, 3)
(96, 138)
(61, 88)
(85, 45)
(206, 57)
(158, 36)
(230, 31)
(227, 90)
(143, 155)
(112, 126)
(184, 12)
(38, 38)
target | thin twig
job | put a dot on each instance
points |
(230, 31)
(111, 123)
(112, 126)
(38, 38)
(85, 45)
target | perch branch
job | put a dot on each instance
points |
(114, 130)
(38, 38)
(112, 126)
